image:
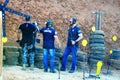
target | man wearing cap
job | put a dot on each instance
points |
(27, 42)
(74, 36)
(49, 37)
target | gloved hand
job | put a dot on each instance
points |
(37, 40)
(18, 41)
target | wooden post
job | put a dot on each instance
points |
(1, 46)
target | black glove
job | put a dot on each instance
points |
(37, 40)
(18, 41)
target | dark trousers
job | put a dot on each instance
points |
(68, 50)
(27, 51)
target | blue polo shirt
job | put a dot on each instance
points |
(27, 32)
(73, 35)
(48, 37)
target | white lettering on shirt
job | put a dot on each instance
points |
(49, 31)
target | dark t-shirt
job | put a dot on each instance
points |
(73, 35)
(48, 37)
(27, 32)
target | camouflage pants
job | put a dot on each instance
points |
(28, 52)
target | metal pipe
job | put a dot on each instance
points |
(97, 21)
(3, 24)
(100, 19)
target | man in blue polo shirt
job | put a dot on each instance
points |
(27, 42)
(49, 37)
(74, 36)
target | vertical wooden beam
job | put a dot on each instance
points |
(1, 46)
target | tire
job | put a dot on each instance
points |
(70, 58)
(10, 48)
(38, 54)
(39, 65)
(81, 65)
(98, 48)
(39, 50)
(68, 65)
(117, 66)
(97, 52)
(97, 32)
(12, 54)
(38, 58)
(116, 57)
(58, 50)
(59, 55)
(96, 41)
(4, 57)
(116, 52)
(115, 63)
(93, 61)
(57, 59)
(56, 65)
(81, 59)
(81, 56)
(92, 37)
(96, 45)
(97, 57)
(20, 50)
(11, 61)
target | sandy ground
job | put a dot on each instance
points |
(15, 73)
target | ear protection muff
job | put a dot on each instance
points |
(49, 22)
(27, 18)
(74, 20)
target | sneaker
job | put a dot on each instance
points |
(71, 71)
(52, 71)
(24, 67)
(45, 70)
(32, 67)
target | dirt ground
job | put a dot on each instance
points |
(15, 73)
(60, 11)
